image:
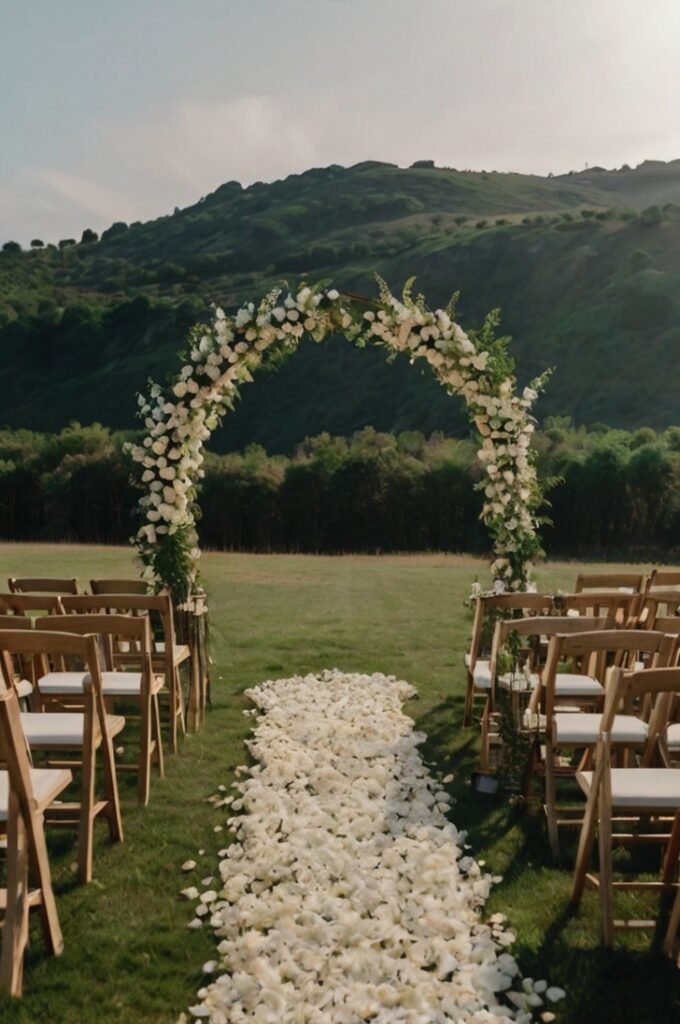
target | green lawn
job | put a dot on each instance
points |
(129, 956)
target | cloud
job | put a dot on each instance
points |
(201, 144)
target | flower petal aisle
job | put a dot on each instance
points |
(347, 895)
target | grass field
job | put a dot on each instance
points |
(129, 956)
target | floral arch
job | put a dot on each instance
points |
(180, 418)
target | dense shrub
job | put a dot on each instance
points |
(614, 493)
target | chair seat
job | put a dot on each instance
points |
(673, 736)
(654, 790)
(47, 784)
(180, 652)
(114, 684)
(582, 729)
(570, 685)
(482, 675)
(23, 688)
(61, 729)
(507, 681)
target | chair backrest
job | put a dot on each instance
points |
(46, 647)
(622, 607)
(603, 649)
(133, 628)
(626, 690)
(631, 582)
(657, 604)
(662, 579)
(157, 606)
(16, 622)
(500, 606)
(28, 604)
(536, 626)
(119, 586)
(43, 585)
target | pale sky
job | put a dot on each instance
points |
(124, 109)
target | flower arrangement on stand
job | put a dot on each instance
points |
(223, 355)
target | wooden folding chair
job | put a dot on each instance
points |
(577, 730)
(25, 792)
(140, 687)
(645, 793)
(167, 656)
(43, 585)
(72, 721)
(630, 582)
(531, 633)
(488, 609)
(621, 606)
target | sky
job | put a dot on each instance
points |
(125, 110)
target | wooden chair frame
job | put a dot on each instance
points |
(26, 851)
(42, 645)
(135, 631)
(167, 661)
(596, 649)
(661, 685)
(507, 605)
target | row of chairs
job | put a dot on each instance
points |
(624, 608)
(599, 669)
(72, 659)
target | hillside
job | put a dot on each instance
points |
(585, 268)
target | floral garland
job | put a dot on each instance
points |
(224, 354)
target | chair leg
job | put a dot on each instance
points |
(469, 694)
(114, 816)
(157, 735)
(484, 755)
(86, 824)
(40, 866)
(551, 799)
(144, 766)
(606, 868)
(15, 928)
(585, 847)
(670, 861)
(671, 936)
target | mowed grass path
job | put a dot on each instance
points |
(129, 956)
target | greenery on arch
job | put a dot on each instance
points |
(223, 355)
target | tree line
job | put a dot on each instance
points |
(613, 493)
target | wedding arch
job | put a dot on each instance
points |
(180, 418)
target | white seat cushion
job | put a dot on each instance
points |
(649, 789)
(482, 675)
(673, 736)
(114, 684)
(582, 729)
(467, 659)
(570, 685)
(61, 729)
(63, 682)
(47, 783)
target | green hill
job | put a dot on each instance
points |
(585, 268)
